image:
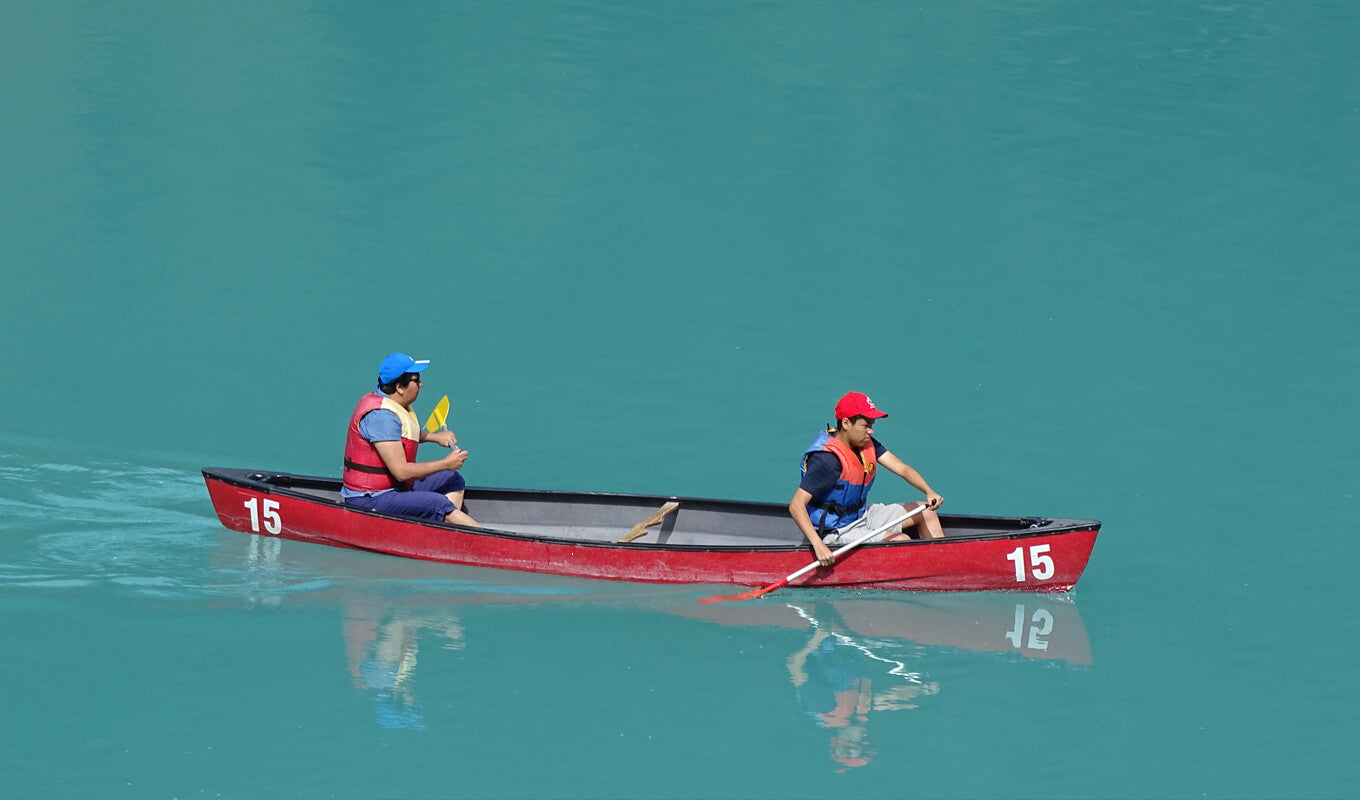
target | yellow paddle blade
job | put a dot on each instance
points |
(440, 416)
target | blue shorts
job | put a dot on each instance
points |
(424, 500)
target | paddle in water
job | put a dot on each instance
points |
(782, 582)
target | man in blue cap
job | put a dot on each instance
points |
(381, 472)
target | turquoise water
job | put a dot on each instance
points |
(1095, 259)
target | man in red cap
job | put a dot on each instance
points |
(831, 505)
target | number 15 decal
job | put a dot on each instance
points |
(1040, 562)
(269, 509)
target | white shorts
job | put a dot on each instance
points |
(875, 516)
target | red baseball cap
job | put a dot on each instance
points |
(855, 404)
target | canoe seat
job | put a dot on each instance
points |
(639, 530)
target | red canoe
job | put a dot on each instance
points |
(658, 539)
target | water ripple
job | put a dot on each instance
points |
(73, 525)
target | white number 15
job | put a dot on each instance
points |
(269, 509)
(1040, 561)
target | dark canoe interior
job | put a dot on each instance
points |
(605, 518)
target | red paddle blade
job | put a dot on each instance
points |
(722, 598)
(754, 593)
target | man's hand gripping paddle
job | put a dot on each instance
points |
(439, 417)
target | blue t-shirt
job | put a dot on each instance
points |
(824, 469)
(379, 425)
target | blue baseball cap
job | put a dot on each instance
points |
(398, 364)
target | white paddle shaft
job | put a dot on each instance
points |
(856, 543)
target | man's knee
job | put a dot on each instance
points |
(447, 482)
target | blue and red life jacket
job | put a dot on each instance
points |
(364, 468)
(847, 501)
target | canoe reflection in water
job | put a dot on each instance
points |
(864, 655)
(851, 655)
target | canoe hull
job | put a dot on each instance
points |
(1039, 560)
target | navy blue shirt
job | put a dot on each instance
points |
(824, 469)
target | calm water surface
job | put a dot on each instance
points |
(1095, 260)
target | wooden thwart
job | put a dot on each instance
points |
(640, 529)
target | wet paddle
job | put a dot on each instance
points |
(782, 582)
(439, 417)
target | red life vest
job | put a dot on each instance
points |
(364, 468)
(848, 499)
